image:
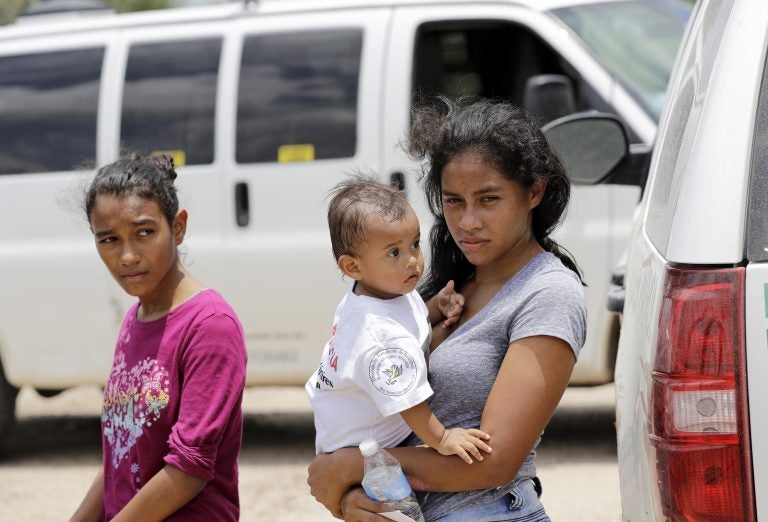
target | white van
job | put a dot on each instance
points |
(693, 354)
(267, 105)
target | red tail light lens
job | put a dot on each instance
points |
(699, 418)
(701, 484)
(702, 325)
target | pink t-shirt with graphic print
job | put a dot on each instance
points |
(174, 397)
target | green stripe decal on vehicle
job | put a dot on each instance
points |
(765, 298)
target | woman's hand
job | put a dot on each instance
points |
(357, 507)
(330, 476)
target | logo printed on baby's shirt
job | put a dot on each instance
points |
(322, 378)
(333, 357)
(392, 371)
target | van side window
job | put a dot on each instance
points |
(169, 99)
(48, 106)
(298, 96)
(490, 59)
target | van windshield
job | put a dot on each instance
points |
(637, 41)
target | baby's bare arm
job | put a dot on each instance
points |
(456, 441)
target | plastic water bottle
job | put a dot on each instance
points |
(385, 481)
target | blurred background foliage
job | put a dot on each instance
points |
(10, 9)
(122, 6)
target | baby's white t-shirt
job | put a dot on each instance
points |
(373, 367)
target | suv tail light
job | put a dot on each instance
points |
(700, 416)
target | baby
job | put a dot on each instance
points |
(372, 379)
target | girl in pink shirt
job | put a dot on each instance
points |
(171, 417)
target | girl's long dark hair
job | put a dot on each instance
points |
(509, 140)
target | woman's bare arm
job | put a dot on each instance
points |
(527, 389)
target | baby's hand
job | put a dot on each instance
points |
(450, 303)
(461, 442)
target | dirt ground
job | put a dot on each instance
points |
(54, 454)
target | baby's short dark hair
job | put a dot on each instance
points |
(353, 202)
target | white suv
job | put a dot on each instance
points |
(692, 367)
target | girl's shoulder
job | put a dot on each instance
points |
(208, 320)
(204, 304)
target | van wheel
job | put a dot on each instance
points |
(7, 408)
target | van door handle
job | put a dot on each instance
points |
(397, 181)
(616, 299)
(242, 205)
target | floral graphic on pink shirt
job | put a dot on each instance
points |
(133, 399)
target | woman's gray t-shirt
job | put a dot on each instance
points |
(544, 298)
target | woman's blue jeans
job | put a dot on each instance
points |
(519, 505)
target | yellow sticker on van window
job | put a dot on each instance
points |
(179, 156)
(298, 152)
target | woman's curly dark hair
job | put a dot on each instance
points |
(510, 141)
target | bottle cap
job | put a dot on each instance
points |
(368, 447)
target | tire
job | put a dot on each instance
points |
(7, 408)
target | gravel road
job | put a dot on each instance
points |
(54, 454)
